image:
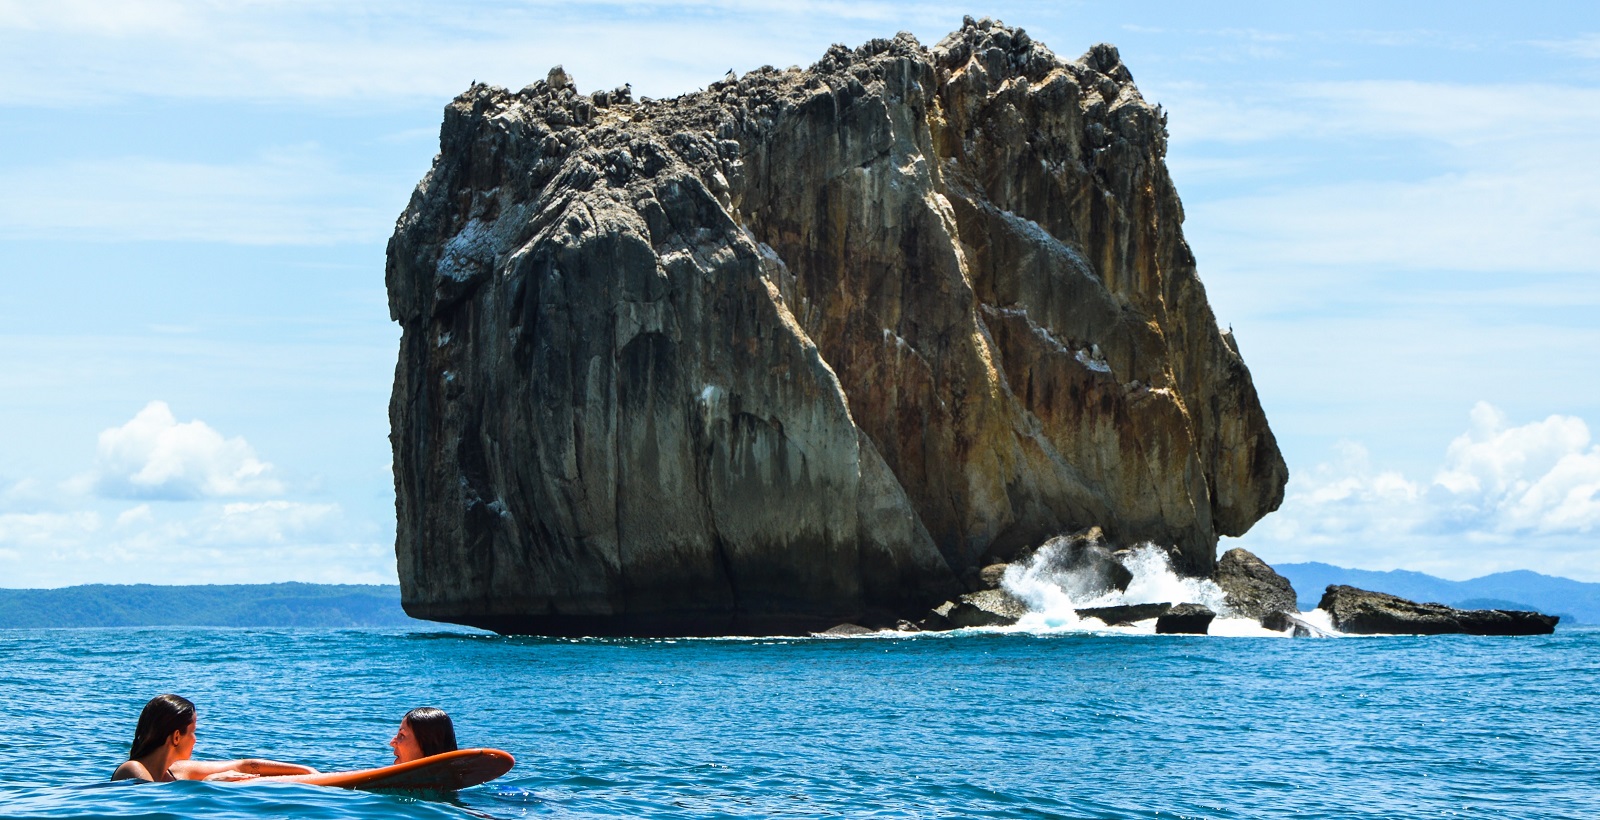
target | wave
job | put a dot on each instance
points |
(1054, 595)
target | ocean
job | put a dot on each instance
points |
(1040, 721)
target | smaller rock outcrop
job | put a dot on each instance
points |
(1278, 621)
(1361, 612)
(989, 607)
(1185, 619)
(990, 577)
(1254, 590)
(1125, 614)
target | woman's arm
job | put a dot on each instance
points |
(202, 769)
(256, 765)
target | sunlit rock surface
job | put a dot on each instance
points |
(804, 347)
(1254, 589)
(1362, 612)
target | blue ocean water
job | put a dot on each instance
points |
(974, 724)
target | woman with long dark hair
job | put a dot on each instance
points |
(163, 742)
(424, 732)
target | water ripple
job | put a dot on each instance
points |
(983, 724)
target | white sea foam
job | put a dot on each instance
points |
(1243, 628)
(1320, 619)
(1054, 595)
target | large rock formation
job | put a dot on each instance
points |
(805, 347)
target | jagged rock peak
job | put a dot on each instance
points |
(805, 347)
(559, 79)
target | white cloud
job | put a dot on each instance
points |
(1540, 477)
(154, 456)
(199, 517)
(1505, 497)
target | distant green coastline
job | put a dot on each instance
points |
(378, 605)
(251, 605)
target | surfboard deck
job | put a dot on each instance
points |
(443, 772)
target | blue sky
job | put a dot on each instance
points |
(1396, 207)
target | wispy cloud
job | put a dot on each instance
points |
(292, 196)
(1455, 114)
(131, 18)
(1539, 220)
(1504, 497)
(242, 542)
(1584, 46)
(1403, 38)
(1444, 114)
(1498, 178)
(24, 532)
(64, 53)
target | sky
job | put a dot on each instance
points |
(1396, 207)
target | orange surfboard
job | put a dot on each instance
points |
(443, 772)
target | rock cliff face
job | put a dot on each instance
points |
(804, 347)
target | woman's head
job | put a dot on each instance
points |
(162, 717)
(424, 732)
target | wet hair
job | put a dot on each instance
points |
(162, 716)
(433, 730)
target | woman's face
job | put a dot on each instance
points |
(185, 740)
(406, 748)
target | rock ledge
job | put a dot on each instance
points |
(1360, 612)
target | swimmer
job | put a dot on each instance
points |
(164, 740)
(424, 732)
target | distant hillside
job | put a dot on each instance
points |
(1575, 601)
(315, 605)
(351, 605)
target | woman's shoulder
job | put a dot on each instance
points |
(131, 770)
